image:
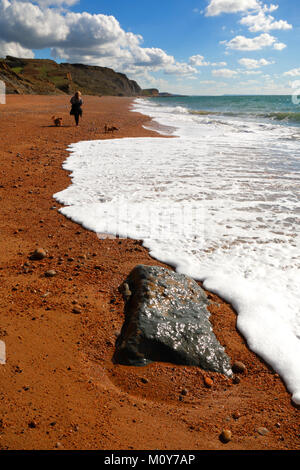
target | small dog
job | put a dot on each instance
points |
(57, 121)
(110, 129)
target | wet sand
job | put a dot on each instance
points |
(59, 388)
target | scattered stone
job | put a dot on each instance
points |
(263, 431)
(236, 415)
(239, 367)
(184, 392)
(236, 379)
(50, 273)
(38, 254)
(2, 352)
(45, 295)
(167, 319)
(144, 380)
(208, 382)
(226, 435)
(76, 310)
(125, 291)
(32, 424)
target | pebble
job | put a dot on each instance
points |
(236, 415)
(263, 431)
(50, 273)
(226, 435)
(38, 254)
(239, 367)
(236, 379)
(32, 424)
(126, 291)
(76, 310)
(208, 382)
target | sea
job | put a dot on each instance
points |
(216, 195)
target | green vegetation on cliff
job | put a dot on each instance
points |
(45, 77)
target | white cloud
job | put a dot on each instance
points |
(250, 72)
(225, 73)
(256, 17)
(218, 64)
(180, 68)
(242, 43)
(28, 25)
(279, 46)
(270, 8)
(153, 57)
(14, 49)
(253, 63)
(293, 73)
(208, 82)
(249, 82)
(94, 39)
(47, 3)
(198, 61)
(262, 22)
(216, 7)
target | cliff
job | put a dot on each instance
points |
(45, 77)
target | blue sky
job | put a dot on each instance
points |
(191, 47)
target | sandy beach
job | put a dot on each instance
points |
(59, 388)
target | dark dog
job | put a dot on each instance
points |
(110, 129)
(57, 121)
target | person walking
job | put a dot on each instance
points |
(76, 102)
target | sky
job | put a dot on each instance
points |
(194, 47)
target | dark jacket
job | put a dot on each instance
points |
(76, 105)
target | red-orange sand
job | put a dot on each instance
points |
(59, 388)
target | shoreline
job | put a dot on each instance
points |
(59, 386)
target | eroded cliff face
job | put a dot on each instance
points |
(42, 76)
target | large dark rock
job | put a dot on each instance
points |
(166, 319)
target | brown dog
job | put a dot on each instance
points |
(57, 121)
(110, 129)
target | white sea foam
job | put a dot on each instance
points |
(220, 202)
